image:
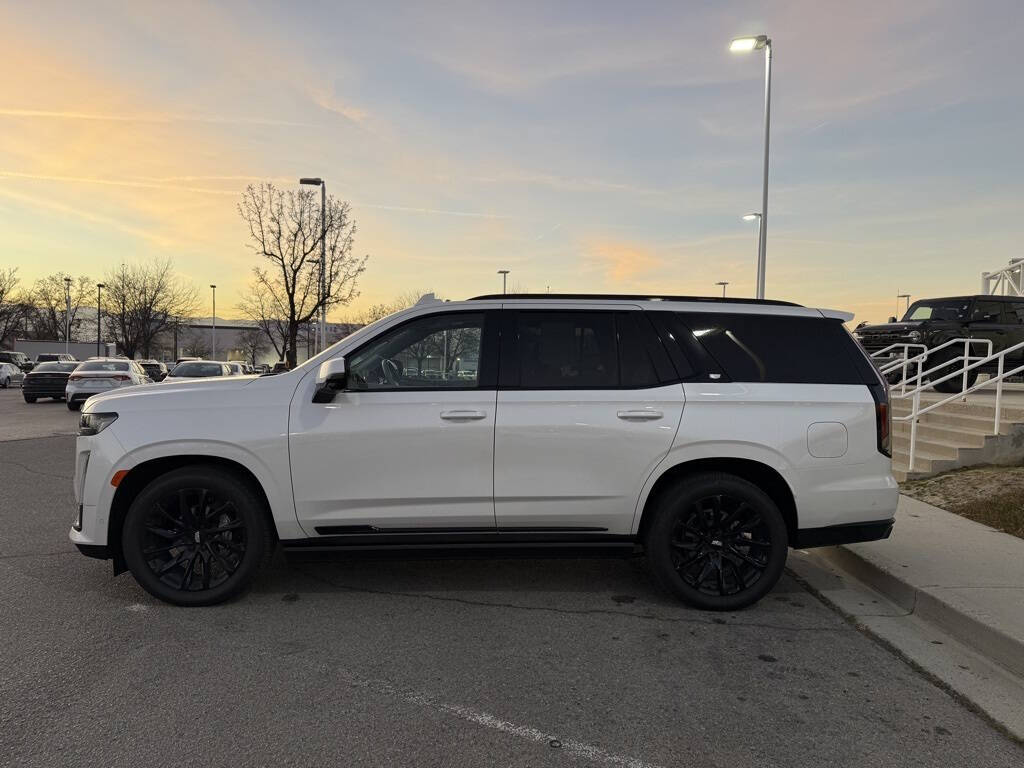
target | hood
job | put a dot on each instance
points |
(890, 328)
(170, 394)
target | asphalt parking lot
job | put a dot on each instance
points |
(518, 662)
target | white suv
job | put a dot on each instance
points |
(712, 434)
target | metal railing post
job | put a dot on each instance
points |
(967, 361)
(913, 428)
(999, 393)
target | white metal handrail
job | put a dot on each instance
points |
(921, 357)
(1001, 374)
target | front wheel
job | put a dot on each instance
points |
(196, 536)
(74, 406)
(717, 541)
(955, 384)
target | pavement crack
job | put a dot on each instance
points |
(710, 622)
(35, 471)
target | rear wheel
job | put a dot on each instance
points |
(717, 541)
(196, 536)
(74, 406)
(28, 398)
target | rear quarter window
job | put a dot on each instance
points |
(776, 348)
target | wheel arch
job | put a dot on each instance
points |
(145, 472)
(763, 475)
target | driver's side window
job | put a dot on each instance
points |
(435, 352)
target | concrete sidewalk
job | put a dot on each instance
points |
(938, 576)
(960, 575)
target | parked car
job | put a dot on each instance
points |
(19, 359)
(47, 380)
(156, 370)
(95, 376)
(186, 359)
(572, 433)
(197, 369)
(933, 322)
(55, 357)
(237, 368)
(279, 367)
(261, 368)
(10, 375)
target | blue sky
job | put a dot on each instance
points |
(584, 146)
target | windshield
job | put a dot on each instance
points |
(955, 310)
(103, 365)
(197, 369)
(62, 367)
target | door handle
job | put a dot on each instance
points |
(639, 415)
(463, 415)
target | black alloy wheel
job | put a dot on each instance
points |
(717, 541)
(196, 536)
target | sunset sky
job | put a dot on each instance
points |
(584, 146)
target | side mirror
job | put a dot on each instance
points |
(330, 379)
(892, 318)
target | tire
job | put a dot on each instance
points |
(6, 383)
(28, 398)
(955, 384)
(177, 556)
(74, 406)
(706, 565)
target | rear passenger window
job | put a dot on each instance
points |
(559, 350)
(635, 366)
(776, 348)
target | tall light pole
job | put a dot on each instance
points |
(99, 315)
(504, 280)
(722, 283)
(757, 246)
(898, 297)
(323, 256)
(67, 315)
(745, 45)
(213, 354)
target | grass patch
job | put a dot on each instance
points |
(993, 496)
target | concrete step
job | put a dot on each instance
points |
(931, 449)
(938, 432)
(903, 406)
(956, 421)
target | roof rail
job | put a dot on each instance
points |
(630, 297)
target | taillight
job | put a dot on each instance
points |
(883, 418)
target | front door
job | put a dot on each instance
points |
(409, 447)
(583, 420)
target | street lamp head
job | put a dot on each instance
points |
(752, 216)
(503, 271)
(101, 285)
(747, 44)
(316, 182)
(213, 286)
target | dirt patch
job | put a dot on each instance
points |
(990, 495)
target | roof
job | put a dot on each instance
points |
(628, 297)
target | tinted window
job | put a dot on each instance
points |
(987, 312)
(636, 369)
(435, 352)
(103, 365)
(1014, 312)
(952, 310)
(777, 349)
(567, 349)
(198, 369)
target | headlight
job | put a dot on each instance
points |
(914, 335)
(94, 423)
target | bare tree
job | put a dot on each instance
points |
(141, 301)
(14, 305)
(259, 307)
(196, 343)
(50, 316)
(252, 342)
(285, 229)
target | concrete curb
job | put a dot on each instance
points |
(989, 641)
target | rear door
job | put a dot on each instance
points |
(990, 319)
(587, 408)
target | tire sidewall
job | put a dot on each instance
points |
(224, 485)
(665, 515)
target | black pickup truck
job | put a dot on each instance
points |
(934, 321)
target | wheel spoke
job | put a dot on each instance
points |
(224, 528)
(749, 524)
(164, 533)
(748, 559)
(734, 515)
(720, 575)
(157, 550)
(183, 508)
(186, 577)
(176, 560)
(740, 581)
(224, 564)
(206, 570)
